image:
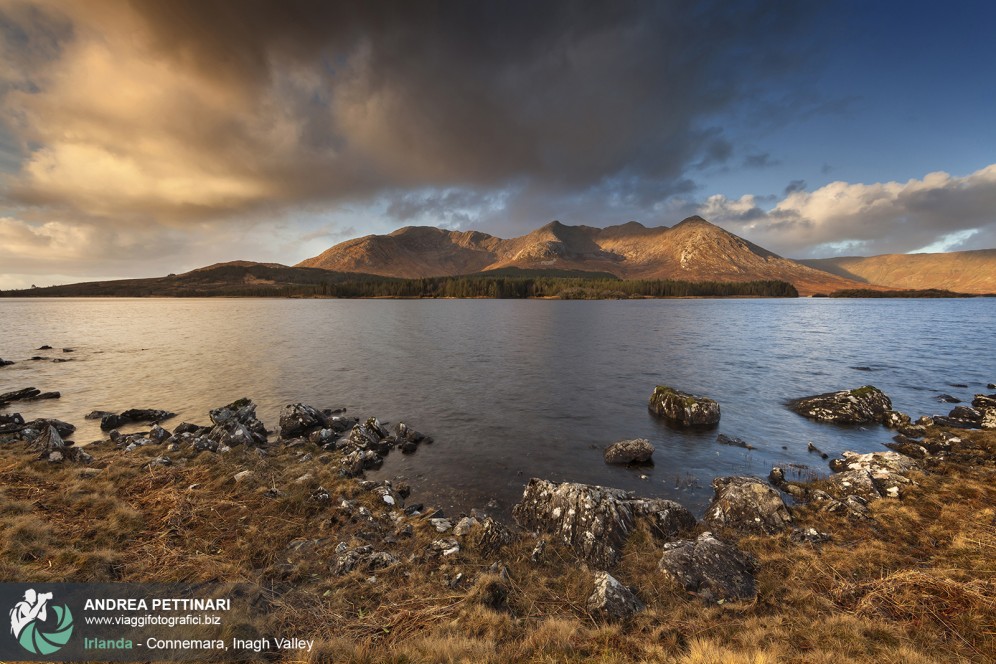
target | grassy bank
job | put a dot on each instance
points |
(914, 584)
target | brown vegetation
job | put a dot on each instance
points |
(914, 584)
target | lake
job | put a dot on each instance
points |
(512, 389)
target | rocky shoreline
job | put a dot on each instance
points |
(592, 521)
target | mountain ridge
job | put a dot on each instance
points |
(692, 250)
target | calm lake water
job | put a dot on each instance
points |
(512, 389)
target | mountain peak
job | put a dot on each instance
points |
(694, 220)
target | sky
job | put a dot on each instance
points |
(145, 137)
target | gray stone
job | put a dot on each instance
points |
(857, 406)
(611, 600)
(638, 450)
(747, 506)
(298, 419)
(594, 521)
(684, 409)
(711, 569)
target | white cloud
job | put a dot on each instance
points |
(938, 212)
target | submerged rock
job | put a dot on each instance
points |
(595, 521)
(638, 450)
(713, 570)
(747, 506)
(611, 600)
(684, 409)
(27, 394)
(733, 441)
(4, 363)
(857, 406)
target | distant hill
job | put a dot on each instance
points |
(693, 250)
(237, 278)
(961, 271)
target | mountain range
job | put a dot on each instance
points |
(693, 250)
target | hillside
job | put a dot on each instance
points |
(693, 250)
(961, 271)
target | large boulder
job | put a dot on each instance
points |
(870, 476)
(237, 424)
(298, 419)
(595, 521)
(857, 406)
(747, 506)
(711, 569)
(683, 409)
(611, 600)
(638, 450)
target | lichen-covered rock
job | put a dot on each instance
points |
(870, 476)
(492, 536)
(864, 404)
(594, 521)
(966, 413)
(895, 419)
(892, 462)
(988, 418)
(984, 401)
(638, 450)
(611, 600)
(298, 419)
(51, 446)
(684, 409)
(746, 506)
(236, 424)
(711, 569)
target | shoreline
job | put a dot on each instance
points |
(284, 515)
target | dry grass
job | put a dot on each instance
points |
(915, 584)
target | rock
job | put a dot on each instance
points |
(684, 409)
(988, 419)
(925, 421)
(991, 386)
(809, 536)
(638, 450)
(4, 363)
(713, 570)
(96, 414)
(723, 439)
(966, 413)
(26, 394)
(857, 406)
(909, 449)
(594, 521)
(893, 419)
(815, 450)
(852, 483)
(492, 536)
(447, 546)
(161, 461)
(746, 506)
(236, 424)
(441, 525)
(913, 430)
(947, 398)
(611, 600)
(984, 401)
(244, 475)
(875, 461)
(955, 423)
(187, 427)
(112, 421)
(297, 419)
(464, 526)
(159, 435)
(10, 422)
(538, 550)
